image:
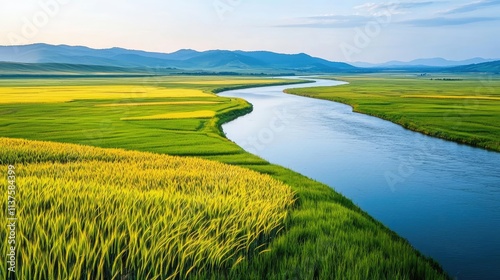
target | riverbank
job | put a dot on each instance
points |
(464, 110)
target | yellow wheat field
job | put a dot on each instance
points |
(202, 114)
(92, 213)
(159, 103)
(51, 94)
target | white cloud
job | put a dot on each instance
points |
(444, 21)
(393, 7)
(473, 6)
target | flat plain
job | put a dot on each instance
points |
(302, 230)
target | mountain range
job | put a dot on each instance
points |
(60, 59)
(186, 59)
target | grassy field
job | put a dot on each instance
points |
(323, 235)
(93, 213)
(464, 109)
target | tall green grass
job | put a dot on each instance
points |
(89, 213)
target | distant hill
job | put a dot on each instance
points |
(298, 61)
(14, 68)
(214, 60)
(423, 62)
(486, 67)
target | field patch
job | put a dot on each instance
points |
(203, 114)
(57, 94)
(160, 103)
(144, 214)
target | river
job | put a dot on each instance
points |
(443, 197)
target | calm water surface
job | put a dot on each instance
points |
(441, 196)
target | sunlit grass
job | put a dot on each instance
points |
(91, 213)
(204, 114)
(159, 103)
(51, 94)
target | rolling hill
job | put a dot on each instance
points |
(486, 67)
(14, 68)
(423, 62)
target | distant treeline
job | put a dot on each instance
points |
(202, 73)
(63, 76)
(446, 79)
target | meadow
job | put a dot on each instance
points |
(460, 108)
(129, 193)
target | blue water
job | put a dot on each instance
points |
(443, 197)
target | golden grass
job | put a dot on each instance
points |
(51, 94)
(202, 114)
(160, 103)
(92, 213)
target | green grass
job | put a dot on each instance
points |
(325, 236)
(464, 109)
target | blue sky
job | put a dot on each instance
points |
(370, 31)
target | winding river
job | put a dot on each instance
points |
(441, 196)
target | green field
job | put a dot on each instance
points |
(93, 213)
(460, 108)
(322, 235)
